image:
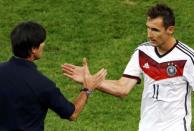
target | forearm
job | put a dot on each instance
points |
(79, 103)
(113, 87)
(119, 87)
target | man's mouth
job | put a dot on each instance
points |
(152, 41)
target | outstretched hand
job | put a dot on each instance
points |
(82, 74)
(74, 72)
(92, 81)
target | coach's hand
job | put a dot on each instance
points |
(74, 72)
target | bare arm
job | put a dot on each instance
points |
(79, 103)
(89, 82)
(119, 87)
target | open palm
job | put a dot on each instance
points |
(75, 72)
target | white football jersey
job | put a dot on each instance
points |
(168, 82)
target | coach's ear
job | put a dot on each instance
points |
(34, 50)
(170, 30)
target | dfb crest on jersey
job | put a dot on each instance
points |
(171, 70)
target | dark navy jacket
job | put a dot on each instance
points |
(26, 95)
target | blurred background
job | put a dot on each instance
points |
(104, 31)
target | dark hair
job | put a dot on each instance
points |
(161, 10)
(25, 36)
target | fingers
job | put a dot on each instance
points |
(69, 68)
(65, 70)
(68, 65)
(85, 65)
(70, 72)
(101, 75)
(99, 72)
(93, 82)
(68, 75)
(74, 72)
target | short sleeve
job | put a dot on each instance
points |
(133, 69)
(189, 73)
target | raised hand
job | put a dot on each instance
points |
(92, 81)
(74, 72)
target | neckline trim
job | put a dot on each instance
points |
(160, 56)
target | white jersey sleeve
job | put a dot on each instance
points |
(133, 69)
(189, 73)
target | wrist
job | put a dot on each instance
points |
(86, 90)
(100, 85)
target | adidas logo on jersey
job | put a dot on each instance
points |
(146, 65)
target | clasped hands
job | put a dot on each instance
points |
(81, 74)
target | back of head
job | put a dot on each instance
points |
(161, 10)
(25, 36)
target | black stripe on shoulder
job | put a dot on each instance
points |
(186, 48)
(186, 52)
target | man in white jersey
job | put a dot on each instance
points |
(167, 66)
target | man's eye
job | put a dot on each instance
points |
(155, 30)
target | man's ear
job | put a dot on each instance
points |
(170, 30)
(34, 50)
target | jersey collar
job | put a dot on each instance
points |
(160, 56)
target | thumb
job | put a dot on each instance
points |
(84, 62)
(85, 65)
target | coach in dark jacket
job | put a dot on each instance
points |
(25, 93)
